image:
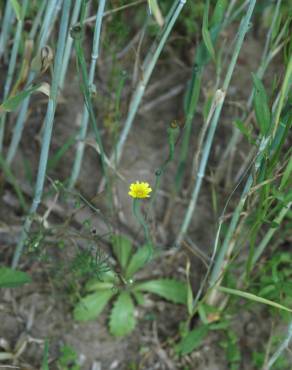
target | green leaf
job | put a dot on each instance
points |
(98, 285)
(122, 320)
(68, 357)
(108, 281)
(55, 159)
(155, 10)
(10, 278)
(192, 340)
(13, 181)
(12, 103)
(139, 298)
(219, 12)
(172, 290)
(253, 297)
(207, 107)
(45, 361)
(261, 105)
(92, 305)
(244, 130)
(287, 174)
(138, 260)
(16, 8)
(122, 248)
(190, 296)
(206, 34)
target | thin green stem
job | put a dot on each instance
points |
(69, 43)
(37, 20)
(283, 94)
(11, 67)
(217, 269)
(85, 115)
(243, 28)
(139, 217)
(6, 26)
(268, 236)
(148, 67)
(265, 60)
(19, 125)
(283, 346)
(48, 127)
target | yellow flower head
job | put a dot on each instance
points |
(140, 190)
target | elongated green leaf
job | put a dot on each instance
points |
(16, 8)
(244, 130)
(219, 12)
(172, 290)
(190, 296)
(12, 103)
(92, 305)
(108, 281)
(45, 362)
(261, 105)
(122, 320)
(4, 356)
(192, 340)
(55, 159)
(98, 285)
(10, 278)
(253, 297)
(287, 174)
(138, 260)
(13, 181)
(122, 248)
(155, 10)
(139, 297)
(206, 34)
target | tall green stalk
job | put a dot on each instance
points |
(282, 347)
(272, 145)
(69, 43)
(268, 236)
(37, 20)
(11, 67)
(265, 60)
(202, 58)
(243, 28)
(148, 67)
(19, 125)
(48, 127)
(85, 114)
(6, 26)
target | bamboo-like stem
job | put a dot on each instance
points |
(48, 127)
(243, 28)
(48, 21)
(6, 25)
(11, 67)
(37, 20)
(265, 60)
(268, 236)
(69, 43)
(283, 346)
(202, 58)
(217, 269)
(19, 125)
(148, 67)
(85, 115)
(283, 94)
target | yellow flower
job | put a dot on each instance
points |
(140, 190)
